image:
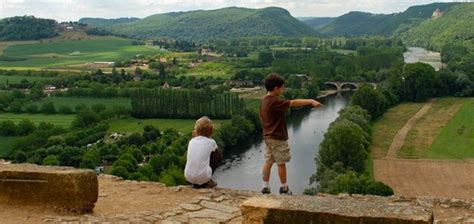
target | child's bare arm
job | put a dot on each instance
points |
(305, 102)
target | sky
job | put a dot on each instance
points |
(73, 10)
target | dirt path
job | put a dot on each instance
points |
(399, 138)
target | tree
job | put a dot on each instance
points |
(344, 142)
(20, 157)
(85, 118)
(173, 176)
(265, 58)
(31, 108)
(418, 81)
(90, 160)
(7, 128)
(136, 139)
(51, 160)
(120, 171)
(48, 108)
(369, 99)
(97, 108)
(25, 127)
(79, 107)
(294, 82)
(16, 107)
(64, 109)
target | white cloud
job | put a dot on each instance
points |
(65, 10)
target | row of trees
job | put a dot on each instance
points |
(9, 128)
(343, 154)
(168, 103)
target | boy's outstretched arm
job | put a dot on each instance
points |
(305, 102)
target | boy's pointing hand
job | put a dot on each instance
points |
(316, 104)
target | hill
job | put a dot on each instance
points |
(106, 22)
(317, 22)
(221, 23)
(27, 28)
(455, 25)
(362, 23)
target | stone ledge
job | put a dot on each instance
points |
(330, 209)
(61, 188)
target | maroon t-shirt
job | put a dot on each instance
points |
(272, 114)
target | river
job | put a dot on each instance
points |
(418, 54)
(242, 167)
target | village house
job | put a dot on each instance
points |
(436, 14)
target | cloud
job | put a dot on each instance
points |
(66, 10)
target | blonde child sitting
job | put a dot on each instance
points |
(203, 155)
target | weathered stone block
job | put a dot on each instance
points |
(329, 209)
(58, 187)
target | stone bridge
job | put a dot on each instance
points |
(340, 85)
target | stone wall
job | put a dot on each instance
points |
(57, 187)
(330, 209)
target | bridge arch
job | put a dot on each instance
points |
(351, 85)
(334, 85)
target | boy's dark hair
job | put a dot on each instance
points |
(273, 80)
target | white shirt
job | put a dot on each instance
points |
(198, 170)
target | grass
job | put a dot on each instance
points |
(72, 102)
(6, 144)
(56, 119)
(427, 128)
(456, 140)
(59, 54)
(252, 104)
(385, 128)
(132, 125)
(14, 79)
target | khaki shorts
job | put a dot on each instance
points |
(277, 151)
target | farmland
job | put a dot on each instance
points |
(72, 102)
(130, 125)
(60, 120)
(60, 54)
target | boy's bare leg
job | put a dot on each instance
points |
(266, 169)
(282, 173)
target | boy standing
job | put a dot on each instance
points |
(272, 114)
(203, 155)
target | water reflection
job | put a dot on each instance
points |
(242, 168)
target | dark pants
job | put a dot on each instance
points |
(216, 158)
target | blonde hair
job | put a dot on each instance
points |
(203, 126)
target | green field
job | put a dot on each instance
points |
(385, 128)
(59, 120)
(456, 140)
(17, 79)
(6, 144)
(72, 102)
(252, 104)
(69, 52)
(131, 125)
